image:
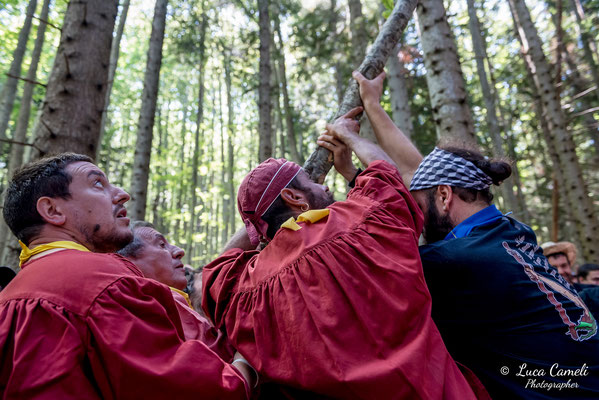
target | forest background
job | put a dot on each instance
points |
(177, 100)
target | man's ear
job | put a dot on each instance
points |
(294, 198)
(51, 211)
(445, 196)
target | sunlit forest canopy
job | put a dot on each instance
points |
(207, 130)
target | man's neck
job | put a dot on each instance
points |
(465, 210)
(47, 236)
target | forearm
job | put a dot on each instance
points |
(240, 240)
(392, 140)
(367, 152)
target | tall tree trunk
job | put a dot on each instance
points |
(264, 103)
(16, 153)
(76, 91)
(114, 59)
(320, 161)
(587, 100)
(398, 93)
(145, 127)
(359, 36)
(232, 208)
(444, 74)
(293, 147)
(489, 95)
(16, 150)
(9, 90)
(198, 132)
(587, 42)
(587, 226)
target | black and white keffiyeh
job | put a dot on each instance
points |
(445, 168)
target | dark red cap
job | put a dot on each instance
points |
(259, 189)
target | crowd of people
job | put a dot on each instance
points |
(313, 298)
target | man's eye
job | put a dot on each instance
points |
(98, 183)
(162, 244)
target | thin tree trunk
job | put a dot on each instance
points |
(444, 76)
(114, 59)
(293, 147)
(398, 93)
(232, 209)
(480, 54)
(320, 161)
(587, 226)
(16, 153)
(9, 90)
(264, 103)
(76, 91)
(586, 101)
(145, 129)
(198, 132)
(587, 42)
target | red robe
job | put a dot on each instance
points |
(197, 327)
(77, 325)
(340, 307)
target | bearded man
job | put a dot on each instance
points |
(501, 308)
(335, 305)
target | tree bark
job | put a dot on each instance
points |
(9, 90)
(289, 128)
(575, 188)
(398, 93)
(114, 59)
(145, 127)
(16, 153)
(232, 205)
(75, 95)
(587, 42)
(489, 95)
(264, 101)
(444, 77)
(198, 132)
(320, 161)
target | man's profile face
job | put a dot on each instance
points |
(560, 261)
(436, 225)
(160, 260)
(95, 209)
(592, 278)
(318, 195)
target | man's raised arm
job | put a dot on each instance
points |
(391, 139)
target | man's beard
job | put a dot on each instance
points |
(437, 227)
(109, 242)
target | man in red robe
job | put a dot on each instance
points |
(158, 259)
(335, 305)
(78, 324)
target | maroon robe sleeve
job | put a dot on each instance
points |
(340, 307)
(137, 348)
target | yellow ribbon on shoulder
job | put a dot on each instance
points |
(27, 253)
(182, 293)
(309, 216)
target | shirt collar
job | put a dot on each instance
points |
(27, 253)
(485, 216)
(310, 216)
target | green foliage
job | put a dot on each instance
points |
(316, 44)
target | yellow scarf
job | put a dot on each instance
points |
(27, 253)
(182, 293)
(310, 216)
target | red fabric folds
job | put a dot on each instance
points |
(340, 307)
(77, 325)
(197, 327)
